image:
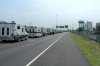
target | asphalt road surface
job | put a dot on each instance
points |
(52, 50)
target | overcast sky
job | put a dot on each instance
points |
(43, 12)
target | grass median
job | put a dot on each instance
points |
(89, 48)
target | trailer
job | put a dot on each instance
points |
(49, 31)
(34, 31)
(12, 31)
(54, 31)
(44, 31)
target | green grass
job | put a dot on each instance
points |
(89, 48)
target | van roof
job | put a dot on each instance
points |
(4, 22)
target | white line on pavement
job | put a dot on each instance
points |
(43, 51)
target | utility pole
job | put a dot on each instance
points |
(56, 19)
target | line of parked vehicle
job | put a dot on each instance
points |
(16, 32)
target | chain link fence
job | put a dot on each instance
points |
(89, 35)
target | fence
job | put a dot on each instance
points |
(89, 35)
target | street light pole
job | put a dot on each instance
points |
(56, 19)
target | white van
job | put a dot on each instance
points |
(12, 31)
(34, 31)
(44, 31)
(49, 31)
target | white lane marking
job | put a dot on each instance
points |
(43, 52)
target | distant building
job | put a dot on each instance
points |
(88, 26)
(98, 27)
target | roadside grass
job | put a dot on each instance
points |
(89, 48)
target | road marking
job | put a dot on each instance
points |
(43, 51)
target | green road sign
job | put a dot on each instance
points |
(60, 26)
(66, 26)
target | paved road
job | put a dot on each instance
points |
(52, 50)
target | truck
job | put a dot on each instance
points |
(34, 31)
(12, 31)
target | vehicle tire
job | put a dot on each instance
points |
(26, 38)
(18, 40)
(3, 41)
(38, 36)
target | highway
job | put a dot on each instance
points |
(51, 50)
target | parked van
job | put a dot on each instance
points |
(49, 31)
(34, 31)
(44, 31)
(12, 31)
